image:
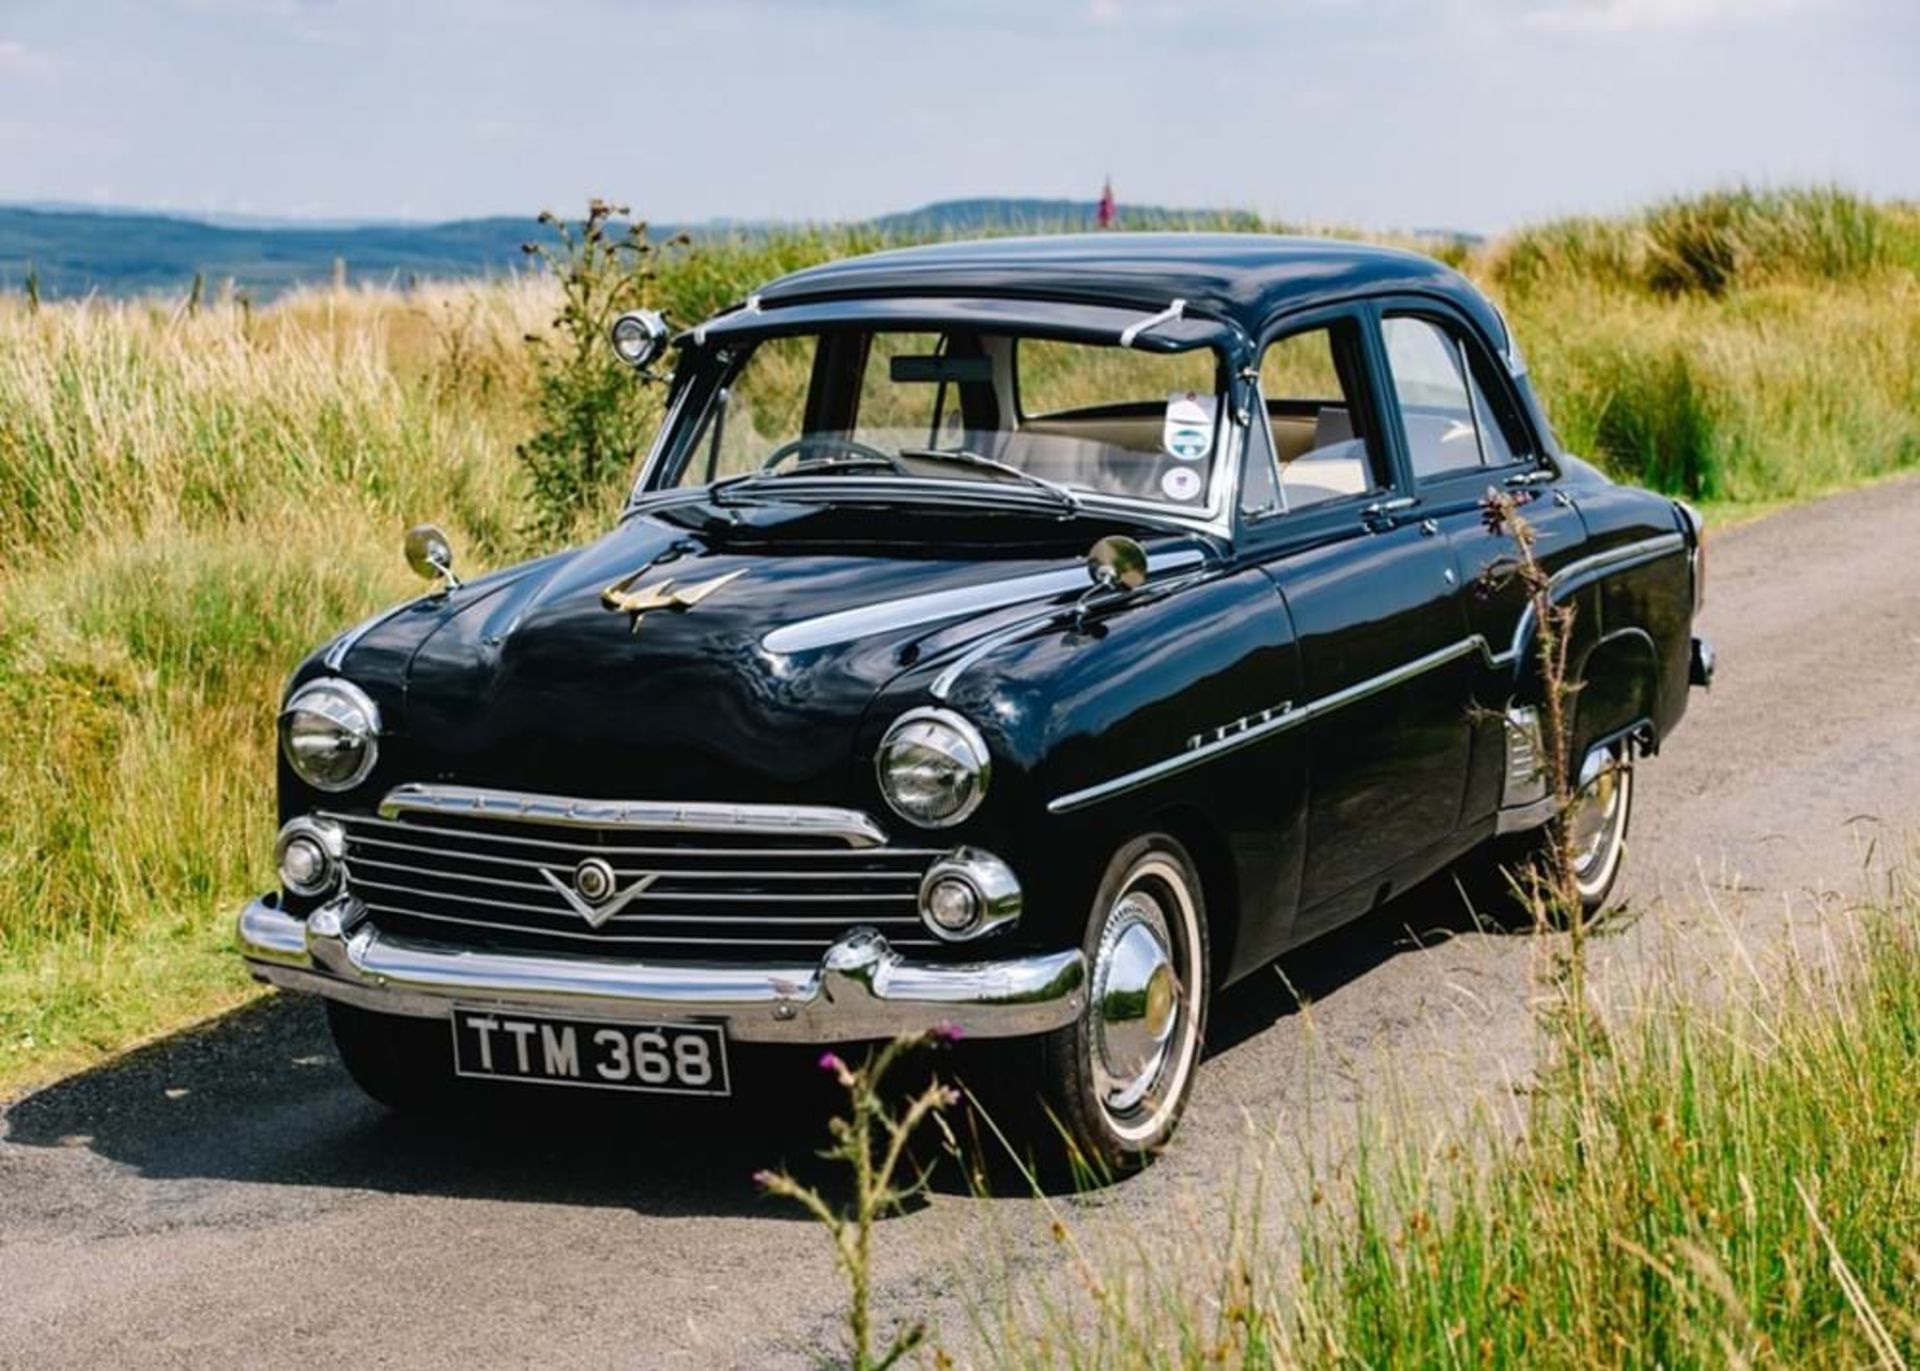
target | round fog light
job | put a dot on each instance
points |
(952, 905)
(303, 864)
(308, 854)
(967, 894)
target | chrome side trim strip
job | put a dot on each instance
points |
(1279, 723)
(805, 821)
(848, 625)
(944, 683)
(1618, 558)
(1621, 558)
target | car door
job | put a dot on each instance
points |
(1372, 593)
(1464, 432)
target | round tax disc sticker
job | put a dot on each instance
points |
(1188, 444)
(1181, 483)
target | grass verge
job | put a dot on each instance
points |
(1728, 1184)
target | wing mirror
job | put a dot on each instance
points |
(1117, 563)
(1117, 566)
(430, 554)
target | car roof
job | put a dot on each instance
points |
(1241, 277)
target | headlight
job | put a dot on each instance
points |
(330, 734)
(933, 767)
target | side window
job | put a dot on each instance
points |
(1450, 424)
(1319, 448)
(762, 406)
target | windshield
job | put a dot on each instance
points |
(1070, 419)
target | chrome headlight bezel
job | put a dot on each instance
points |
(351, 711)
(996, 896)
(324, 838)
(934, 733)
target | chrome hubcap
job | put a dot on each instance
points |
(1598, 820)
(1144, 1032)
(1137, 995)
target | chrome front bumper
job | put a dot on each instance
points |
(861, 988)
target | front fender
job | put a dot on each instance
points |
(1115, 704)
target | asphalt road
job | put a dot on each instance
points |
(226, 1198)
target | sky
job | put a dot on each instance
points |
(1466, 114)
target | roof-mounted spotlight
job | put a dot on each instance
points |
(639, 336)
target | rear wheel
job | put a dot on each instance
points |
(1602, 807)
(1601, 811)
(1119, 1077)
(404, 1063)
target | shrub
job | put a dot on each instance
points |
(1711, 244)
(591, 413)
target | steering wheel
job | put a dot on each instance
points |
(857, 453)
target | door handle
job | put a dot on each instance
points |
(1381, 511)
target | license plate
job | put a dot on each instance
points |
(669, 1058)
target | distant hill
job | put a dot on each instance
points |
(73, 250)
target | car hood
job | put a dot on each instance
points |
(757, 692)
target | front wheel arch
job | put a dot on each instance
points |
(1219, 880)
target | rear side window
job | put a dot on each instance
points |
(1451, 425)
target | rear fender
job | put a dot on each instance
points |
(1618, 691)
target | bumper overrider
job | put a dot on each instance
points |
(860, 988)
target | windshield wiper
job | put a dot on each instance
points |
(960, 457)
(818, 466)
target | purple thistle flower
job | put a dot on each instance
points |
(830, 1061)
(947, 1032)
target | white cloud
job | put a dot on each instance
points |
(17, 59)
(1633, 16)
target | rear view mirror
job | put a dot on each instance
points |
(931, 370)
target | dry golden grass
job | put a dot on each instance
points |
(191, 499)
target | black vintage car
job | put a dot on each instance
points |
(1027, 636)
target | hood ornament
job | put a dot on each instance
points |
(660, 595)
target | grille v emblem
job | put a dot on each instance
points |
(593, 893)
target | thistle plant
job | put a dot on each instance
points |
(591, 414)
(871, 1141)
(1548, 885)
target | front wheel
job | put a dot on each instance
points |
(404, 1063)
(1119, 1076)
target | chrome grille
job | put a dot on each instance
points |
(738, 896)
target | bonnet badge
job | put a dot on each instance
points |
(660, 595)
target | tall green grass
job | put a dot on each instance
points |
(191, 495)
(1731, 1184)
